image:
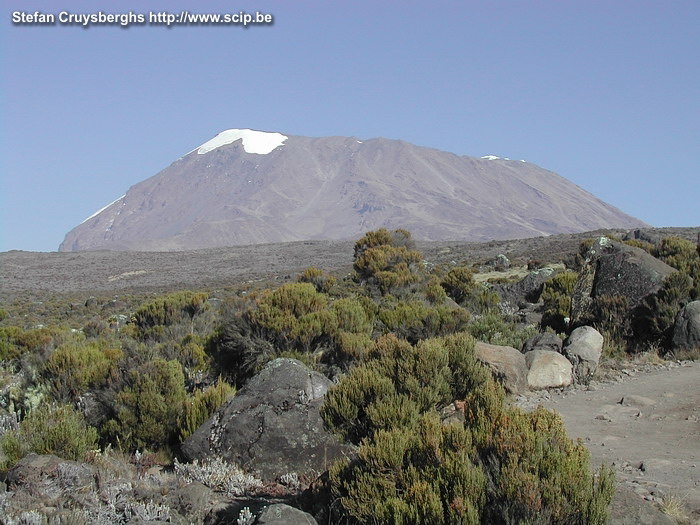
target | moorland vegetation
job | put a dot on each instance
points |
(397, 335)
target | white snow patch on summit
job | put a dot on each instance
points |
(103, 209)
(490, 157)
(260, 142)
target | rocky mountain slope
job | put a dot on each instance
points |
(249, 187)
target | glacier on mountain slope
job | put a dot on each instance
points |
(259, 142)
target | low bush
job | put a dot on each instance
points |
(199, 407)
(323, 282)
(72, 369)
(500, 466)
(50, 429)
(556, 297)
(149, 407)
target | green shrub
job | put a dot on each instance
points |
(199, 407)
(321, 281)
(435, 293)
(398, 381)
(149, 407)
(610, 315)
(493, 328)
(459, 284)
(72, 369)
(414, 320)
(50, 429)
(387, 261)
(556, 297)
(152, 317)
(537, 474)
(500, 466)
(403, 476)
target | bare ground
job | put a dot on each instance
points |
(32, 273)
(643, 420)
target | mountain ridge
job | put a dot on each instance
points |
(336, 188)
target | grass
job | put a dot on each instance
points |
(674, 507)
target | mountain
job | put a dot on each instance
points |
(249, 187)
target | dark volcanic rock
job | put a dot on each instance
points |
(615, 269)
(544, 341)
(528, 289)
(686, 331)
(272, 426)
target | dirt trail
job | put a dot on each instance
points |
(646, 423)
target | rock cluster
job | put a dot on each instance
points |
(544, 361)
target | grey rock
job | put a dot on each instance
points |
(272, 426)
(637, 401)
(544, 341)
(281, 514)
(192, 500)
(506, 363)
(583, 348)
(686, 331)
(627, 508)
(547, 369)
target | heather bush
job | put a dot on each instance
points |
(459, 284)
(152, 317)
(323, 282)
(399, 381)
(147, 410)
(72, 369)
(387, 261)
(536, 473)
(49, 429)
(556, 297)
(501, 466)
(493, 328)
(414, 320)
(435, 293)
(422, 475)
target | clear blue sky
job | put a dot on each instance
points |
(606, 93)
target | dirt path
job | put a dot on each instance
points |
(646, 423)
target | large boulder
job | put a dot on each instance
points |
(583, 348)
(686, 331)
(506, 363)
(272, 426)
(547, 369)
(526, 290)
(615, 269)
(543, 341)
(281, 514)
